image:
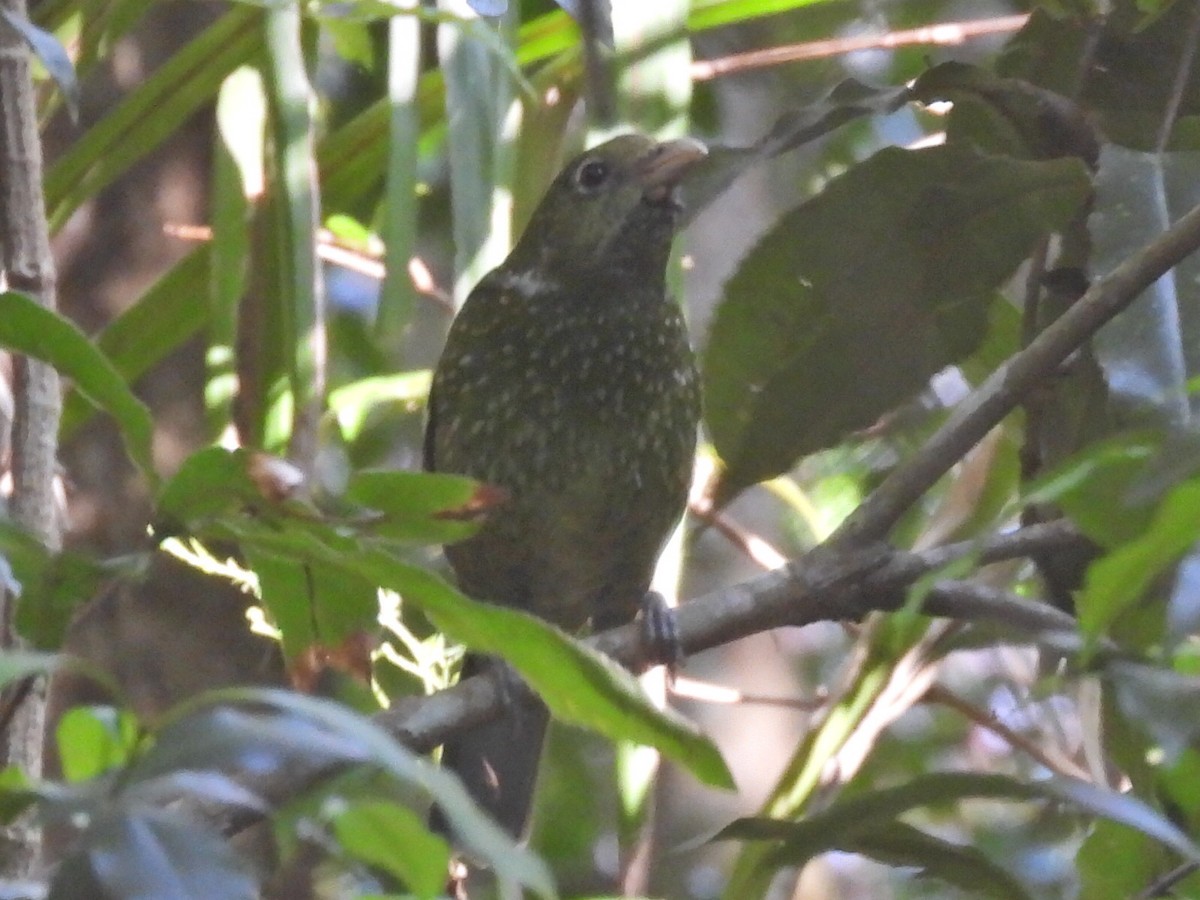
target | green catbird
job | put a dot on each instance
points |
(567, 381)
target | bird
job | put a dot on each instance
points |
(567, 381)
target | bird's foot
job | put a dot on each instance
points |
(660, 632)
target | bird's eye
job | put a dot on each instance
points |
(591, 175)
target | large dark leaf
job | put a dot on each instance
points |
(1132, 67)
(480, 836)
(1151, 350)
(153, 855)
(862, 293)
(849, 819)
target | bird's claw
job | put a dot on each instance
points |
(660, 632)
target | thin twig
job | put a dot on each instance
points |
(708, 692)
(1162, 886)
(758, 549)
(945, 34)
(1056, 763)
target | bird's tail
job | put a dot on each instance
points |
(498, 761)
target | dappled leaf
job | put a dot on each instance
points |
(315, 606)
(477, 833)
(858, 296)
(28, 327)
(579, 685)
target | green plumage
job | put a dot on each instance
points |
(567, 380)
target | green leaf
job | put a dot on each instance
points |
(431, 508)
(478, 834)
(714, 13)
(354, 402)
(1100, 479)
(28, 327)
(838, 315)
(16, 793)
(395, 840)
(313, 604)
(1008, 116)
(1163, 703)
(963, 866)
(51, 586)
(1149, 352)
(800, 841)
(210, 482)
(1117, 580)
(161, 320)
(94, 739)
(151, 113)
(578, 684)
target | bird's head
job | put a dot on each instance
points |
(614, 206)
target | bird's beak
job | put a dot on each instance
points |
(661, 169)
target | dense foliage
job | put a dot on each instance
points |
(900, 342)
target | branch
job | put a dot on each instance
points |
(827, 587)
(1011, 382)
(27, 266)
